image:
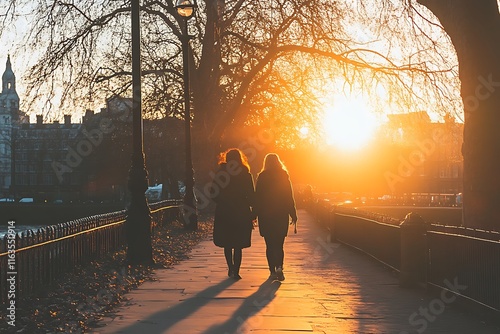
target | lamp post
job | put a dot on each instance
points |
(138, 222)
(185, 8)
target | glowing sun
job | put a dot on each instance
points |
(348, 123)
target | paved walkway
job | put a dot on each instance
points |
(329, 288)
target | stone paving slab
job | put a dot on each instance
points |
(329, 288)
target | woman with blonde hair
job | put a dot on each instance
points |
(233, 214)
(274, 204)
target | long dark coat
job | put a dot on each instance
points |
(233, 216)
(274, 203)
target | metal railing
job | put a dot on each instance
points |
(44, 254)
(379, 240)
(468, 256)
(470, 262)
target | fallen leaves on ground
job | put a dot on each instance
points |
(79, 299)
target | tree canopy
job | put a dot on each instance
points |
(272, 63)
(252, 61)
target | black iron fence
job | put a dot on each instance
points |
(32, 259)
(379, 240)
(464, 261)
(469, 264)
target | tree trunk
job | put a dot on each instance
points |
(474, 28)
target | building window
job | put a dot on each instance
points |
(442, 172)
(48, 179)
(65, 179)
(455, 171)
(74, 179)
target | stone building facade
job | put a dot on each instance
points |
(430, 169)
(86, 161)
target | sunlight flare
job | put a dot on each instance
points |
(303, 132)
(348, 123)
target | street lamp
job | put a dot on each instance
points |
(185, 8)
(138, 222)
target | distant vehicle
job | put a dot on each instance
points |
(58, 201)
(7, 200)
(26, 200)
(154, 193)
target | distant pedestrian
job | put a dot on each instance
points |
(233, 221)
(274, 205)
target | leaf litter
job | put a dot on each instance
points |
(78, 300)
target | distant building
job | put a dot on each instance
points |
(82, 161)
(38, 147)
(430, 161)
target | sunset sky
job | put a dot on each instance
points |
(349, 115)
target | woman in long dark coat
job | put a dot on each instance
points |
(274, 204)
(233, 221)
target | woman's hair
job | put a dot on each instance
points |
(272, 162)
(234, 154)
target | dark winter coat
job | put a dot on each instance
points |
(233, 216)
(274, 203)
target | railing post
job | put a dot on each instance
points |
(331, 225)
(414, 254)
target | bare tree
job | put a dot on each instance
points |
(264, 63)
(240, 50)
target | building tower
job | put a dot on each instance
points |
(9, 115)
(9, 100)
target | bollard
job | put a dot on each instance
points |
(414, 254)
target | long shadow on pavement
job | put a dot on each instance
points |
(163, 320)
(252, 305)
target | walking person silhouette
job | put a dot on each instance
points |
(233, 213)
(274, 204)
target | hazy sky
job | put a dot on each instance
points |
(11, 43)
